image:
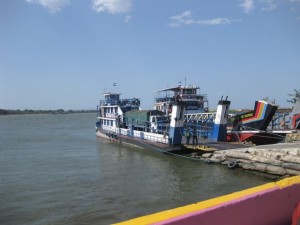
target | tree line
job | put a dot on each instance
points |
(30, 111)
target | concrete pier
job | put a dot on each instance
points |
(279, 159)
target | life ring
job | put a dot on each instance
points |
(232, 164)
(296, 215)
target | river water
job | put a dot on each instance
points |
(54, 170)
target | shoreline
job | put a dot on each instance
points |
(8, 112)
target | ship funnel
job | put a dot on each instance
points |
(176, 124)
(220, 125)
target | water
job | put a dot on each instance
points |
(54, 170)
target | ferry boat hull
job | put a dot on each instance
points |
(138, 142)
(260, 137)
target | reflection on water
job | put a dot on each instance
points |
(53, 170)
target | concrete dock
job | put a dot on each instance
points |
(279, 159)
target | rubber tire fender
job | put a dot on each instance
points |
(232, 164)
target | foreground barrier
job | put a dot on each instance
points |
(270, 204)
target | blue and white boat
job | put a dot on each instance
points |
(122, 120)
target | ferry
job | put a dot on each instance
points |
(123, 121)
(252, 126)
(247, 127)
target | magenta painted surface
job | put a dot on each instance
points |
(271, 207)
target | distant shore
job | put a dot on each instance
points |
(30, 111)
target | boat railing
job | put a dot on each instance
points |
(280, 121)
(121, 102)
(101, 113)
(109, 102)
(171, 96)
(111, 115)
(202, 129)
(130, 102)
(143, 130)
(152, 137)
(166, 99)
(195, 117)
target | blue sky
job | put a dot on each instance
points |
(65, 53)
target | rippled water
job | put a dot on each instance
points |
(54, 170)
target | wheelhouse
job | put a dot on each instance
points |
(195, 102)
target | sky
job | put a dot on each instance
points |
(63, 54)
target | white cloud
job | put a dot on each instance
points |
(51, 5)
(182, 19)
(127, 18)
(185, 18)
(269, 4)
(112, 6)
(247, 5)
(265, 5)
(215, 21)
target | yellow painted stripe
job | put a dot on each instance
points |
(168, 214)
(288, 182)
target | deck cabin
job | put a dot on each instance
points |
(110, 110)
(194, 101)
